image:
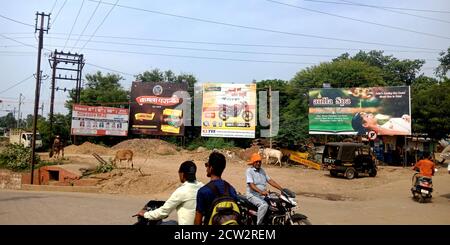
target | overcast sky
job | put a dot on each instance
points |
(195, 36)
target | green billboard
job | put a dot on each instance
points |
(357, 111)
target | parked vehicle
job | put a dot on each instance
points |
(151, 205)
(22, 137)
(422, 188)
(349, 159)
(280, 211)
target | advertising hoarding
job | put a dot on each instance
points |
(379, 110)
(99, 121)
(155, 108)
(229, 110)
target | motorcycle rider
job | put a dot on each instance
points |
(183, 199)
(257, 181)
(425, 167)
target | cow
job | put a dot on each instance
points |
(124, 155)
(268, 153)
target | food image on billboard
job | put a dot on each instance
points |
(99, 121)
(229, 110)
(358, 111)
(153, 108)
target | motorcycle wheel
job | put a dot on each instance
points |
(302, 222)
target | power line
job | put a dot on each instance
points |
(213, 50)
(101, 23)
(259, 28)
(59, 11)
(20, 22)
(16, 84)
(385, 7)
(240, 44)
(109, 69)
(71, 29)
(87, 24)
(403, 13)
(53, 7)
(359, 20)
(14, 40)
(199, 57)
(248, 44)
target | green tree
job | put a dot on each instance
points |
(444, 66)
(8, 121)
(101, 90)
(395, 72)
(157, 75)
(61, 127)
(431, 110)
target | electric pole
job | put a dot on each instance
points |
(41, 30)
(18, 114)
(63, 61)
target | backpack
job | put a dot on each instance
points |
(225, 210)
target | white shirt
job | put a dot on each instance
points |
(184, 199)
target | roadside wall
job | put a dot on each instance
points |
(10, 180)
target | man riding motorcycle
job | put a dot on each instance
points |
(425, 167)
(257, 181)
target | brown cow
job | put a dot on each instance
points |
(124, 155)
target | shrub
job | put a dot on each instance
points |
(105, 168)
(16, 157)
(210, 143)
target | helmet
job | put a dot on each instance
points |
(254, 158)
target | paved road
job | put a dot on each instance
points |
(36, 207)
(390, 204)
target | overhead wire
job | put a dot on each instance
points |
(360, 20)
(16, 84)
(386, 7)
(98, 27)
(17, 21)
(87, 24)
(57, 14)
(74, 23)
(258, 28)
(404, 13)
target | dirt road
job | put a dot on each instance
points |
(385, 199)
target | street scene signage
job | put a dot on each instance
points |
(229, 110)
(155, 108)
(380, 110)
(99, 121)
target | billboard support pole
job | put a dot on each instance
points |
(270, 116)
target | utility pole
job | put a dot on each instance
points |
(42, 109)
(18, 114)
(63, 61)
(41, 30)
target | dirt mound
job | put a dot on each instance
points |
(133, 182)
(145, 147)
(247, 153)
(87, 148)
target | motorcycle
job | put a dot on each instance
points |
(235, 110)
(151, 205)
(422, 188)
(280, 211)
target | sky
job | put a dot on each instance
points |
(216, 41)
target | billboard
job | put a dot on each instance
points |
(99, 121)
(155, 108)
(373, 111)
(229, 110)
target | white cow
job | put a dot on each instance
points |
(268, 153)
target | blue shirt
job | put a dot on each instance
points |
(257, 177)
(205, 196)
